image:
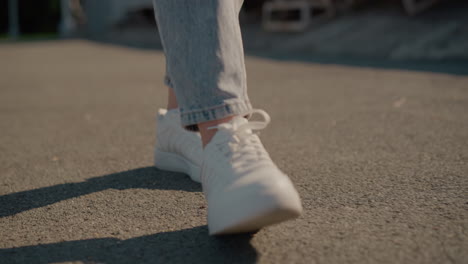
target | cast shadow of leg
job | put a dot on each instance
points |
(191, 245)
(147, 178)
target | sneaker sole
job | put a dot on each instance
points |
(257, 222)
(173, 162)
(250, 212)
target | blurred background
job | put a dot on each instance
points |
(393, 33)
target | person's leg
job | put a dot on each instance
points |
(205, 60)
(205, 66)
(205, 76)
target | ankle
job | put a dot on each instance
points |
(208, 134)
(171, 100)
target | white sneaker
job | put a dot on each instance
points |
(244, 189)
(177, 149)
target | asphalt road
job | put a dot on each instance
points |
(380, 158)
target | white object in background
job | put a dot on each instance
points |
(270, 23)
(304, 7)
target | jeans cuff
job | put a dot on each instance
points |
(229, 108)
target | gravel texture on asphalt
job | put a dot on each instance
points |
(379, 157)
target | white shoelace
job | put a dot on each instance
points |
(246, 147)
(252, 125)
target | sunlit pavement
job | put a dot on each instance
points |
(380, 158)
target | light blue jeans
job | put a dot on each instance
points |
(204, 57)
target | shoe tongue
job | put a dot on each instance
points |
(228, 128)
(233, 124)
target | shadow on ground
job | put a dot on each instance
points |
(191, 245)
(142, 178)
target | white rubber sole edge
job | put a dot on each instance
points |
(249, 210)
(177, 163)
(255, 223)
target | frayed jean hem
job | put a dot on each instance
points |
(229, 108)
